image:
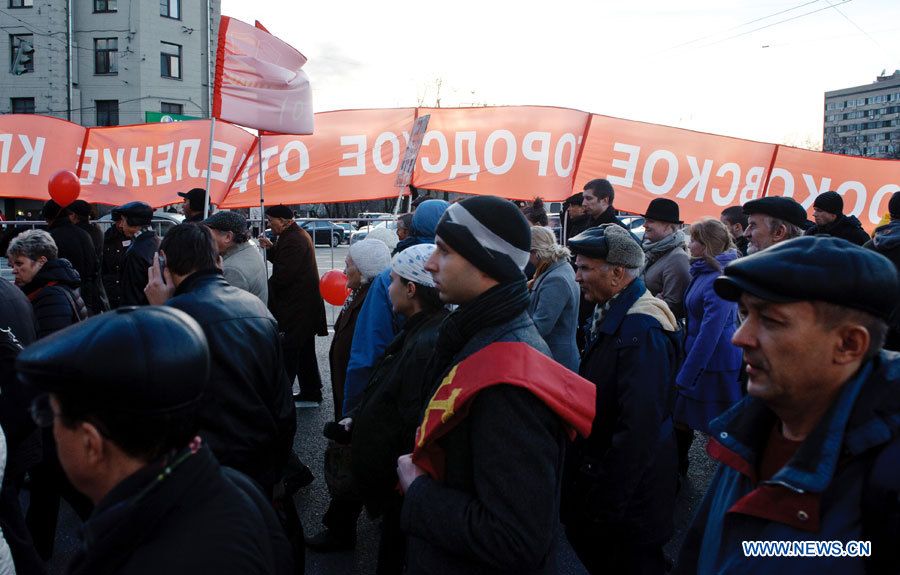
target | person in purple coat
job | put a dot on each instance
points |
(708, 381)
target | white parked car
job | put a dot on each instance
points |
(362, 232)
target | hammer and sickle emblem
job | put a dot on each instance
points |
(444, 405)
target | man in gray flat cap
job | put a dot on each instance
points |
(242, 262)
(771, 220)
(619, 487)
(810, 457)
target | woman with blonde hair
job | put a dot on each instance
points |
(554, 296)
(708, 382)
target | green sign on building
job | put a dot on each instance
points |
(155, 117)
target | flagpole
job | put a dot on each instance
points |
(212, 134)
(262, 201)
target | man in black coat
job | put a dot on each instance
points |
(143, 242)
(127, 439)
(295, 300)
(619, 489)
(75, 245)
(80, 215)
(886, 241)
(487, 499)
(828, 211)
(597, 201)
(23, 440)
(194, 201)
(248, 419)
(115, 245)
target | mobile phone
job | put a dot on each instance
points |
(162, 267)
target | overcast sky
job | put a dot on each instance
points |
(698, 64)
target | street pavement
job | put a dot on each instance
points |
(312, 500)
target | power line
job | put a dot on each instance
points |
(829, 7)
(755, 20)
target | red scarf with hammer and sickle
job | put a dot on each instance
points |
(570, 396)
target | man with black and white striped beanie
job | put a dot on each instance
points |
(485, 498)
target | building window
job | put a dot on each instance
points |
(105, 6)
(169, 108)
(170, 8)
(21, 52)
(170, 60)
(21, 3)
(106, 55)
(107, 112)
(22, 105)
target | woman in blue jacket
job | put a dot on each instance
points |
(708, 382)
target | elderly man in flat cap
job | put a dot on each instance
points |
(134, 219)
(619, 489)
(295, 300)
(122, 391)
(242, 262)
(811, 455)
(828, 211)
(771, 220)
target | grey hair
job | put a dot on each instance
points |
(33, 244)
(544, 246)
(790, 230)
(633, 273)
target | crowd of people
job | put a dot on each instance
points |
(497, 390)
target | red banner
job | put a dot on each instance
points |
(32, 149)
(703, 173)
(518, 152)
(354, 155)
(514, 152)
(153, 162)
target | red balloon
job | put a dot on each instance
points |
(333, 286)
(64, 187)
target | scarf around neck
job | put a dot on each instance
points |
(655, 250)
(498, 305)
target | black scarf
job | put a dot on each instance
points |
(498, 305)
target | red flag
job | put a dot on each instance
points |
(571, 397)
(260, 82)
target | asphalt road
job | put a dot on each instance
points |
(313, 500)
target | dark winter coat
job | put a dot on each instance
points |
(75, 245)
(708, 382)
(887, 243)
(385, 422)
(18, 329)
(339, 352)
(115, 244)
(498, 506)
(622, 477)
(96, 234)
(575, 226)
(607, 217)
(845, 227)
(842, 484)
(55, 296)
(138, 259)
(202, 518)
(294, 296)
(248, 420)
(16, 313)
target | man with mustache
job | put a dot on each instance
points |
(811, 454)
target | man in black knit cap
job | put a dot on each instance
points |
(482, 485)
(828, 211)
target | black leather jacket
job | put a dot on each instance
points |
(248, 419)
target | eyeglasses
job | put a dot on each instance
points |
(41, 411)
